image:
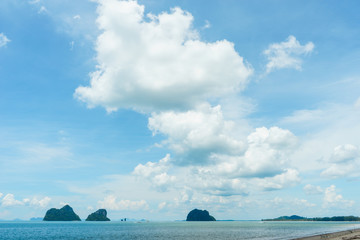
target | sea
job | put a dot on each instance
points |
(180, 230)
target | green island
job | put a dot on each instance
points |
(65, 213)
(199, 215)
(299, 218)
(99, 215)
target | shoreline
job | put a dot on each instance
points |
(342, 235)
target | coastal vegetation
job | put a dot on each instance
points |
(299, 218)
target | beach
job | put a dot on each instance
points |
(342, 235)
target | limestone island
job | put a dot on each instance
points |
(99, 215)
(65, 213)
(199, 215)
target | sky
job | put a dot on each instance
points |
(248, 109)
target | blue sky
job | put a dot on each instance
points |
(249, 109)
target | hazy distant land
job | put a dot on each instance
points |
(299, 218)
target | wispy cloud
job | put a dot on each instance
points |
(34, 1)
(112, 203)
(41, 153)
(72, 43)
(3, 40)
(207, 25)
(313, 190)
(43, 9)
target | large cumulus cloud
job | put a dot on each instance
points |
(160, 66)
(158, 62)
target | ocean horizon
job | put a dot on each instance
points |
(180, 230)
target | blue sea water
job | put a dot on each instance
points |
(168, 230)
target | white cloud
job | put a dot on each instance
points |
(162, 180)
(345, 153)
(77, 17)
(197, 134)
(202, 137)
(341, 170)
(288, 178)
(263, 166)
(313, 190)
(110, 202)
(151, 168)
(274, 137)
(1, 195)
(345, 162)
(266, 155)
(286, 54)
(332, 199)
(9, 200)
(3, 40)
(206, 180)
(42, 203)
(186, 196)
(156, 173)
(158, 62)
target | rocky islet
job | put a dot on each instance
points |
(65, 213)
(199, 215)
(99, 215)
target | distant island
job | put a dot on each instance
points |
(99, 215)
(66, 213)
(199, 215)
(299, 218)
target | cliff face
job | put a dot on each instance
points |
(66, 213)
(99, 215)
(199, 215)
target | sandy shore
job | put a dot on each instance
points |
(344, 235)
